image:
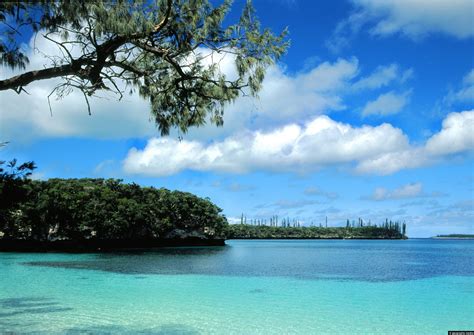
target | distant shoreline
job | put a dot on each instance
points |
(451, 238)
(317, 238)
(455, 237)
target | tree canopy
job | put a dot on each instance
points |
(81, 209)
(166, 50)
(248, 231)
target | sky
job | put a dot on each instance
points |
(369, 114)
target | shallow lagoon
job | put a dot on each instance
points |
(248, 287)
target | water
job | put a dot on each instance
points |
(247, 287)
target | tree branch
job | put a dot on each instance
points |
(57, 71)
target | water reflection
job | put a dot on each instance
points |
(340, 260)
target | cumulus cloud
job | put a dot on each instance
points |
(310, 93)
(387, 104)
(285, 97)
(458, 97)
(406, 191)
(24, 117)
(293, 204)
(319, 143)
(456, 135)
(464, 93)
(232, 186)
(383, 76)
(392, 162)
(414, 19)
(315, 191)
(448, 218)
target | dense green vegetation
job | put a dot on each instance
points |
(107, 209)
(242, 231)
(288, 228)
(79, 209)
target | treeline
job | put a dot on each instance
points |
(287, 222)
(246, 231)
(274, 227)
(82, 209)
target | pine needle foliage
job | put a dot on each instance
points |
(169, 51)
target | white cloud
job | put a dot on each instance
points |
(25, 116)
(394, 161)
(321, 142)
(416, 18)
(383, 76)
(469, 78)
(465, 93)
(314, 92)
(319, 90)
(412, 18)
(387, 104)
(456, 135)
(411, 190)
(315, 191)
(232, 186)
(404, 192)
(285, 97)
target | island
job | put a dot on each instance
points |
(103, 214)
(455, 236)
(84, 215)
(388, 230)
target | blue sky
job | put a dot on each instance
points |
(369, 114)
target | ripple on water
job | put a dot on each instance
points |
(402, 287)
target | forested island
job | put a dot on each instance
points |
(92, 214)
(107, 214)
(245, 231)
(291, 228)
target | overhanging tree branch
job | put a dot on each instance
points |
(122, 45)
(26, 78)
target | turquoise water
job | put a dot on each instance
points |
(247, 287)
